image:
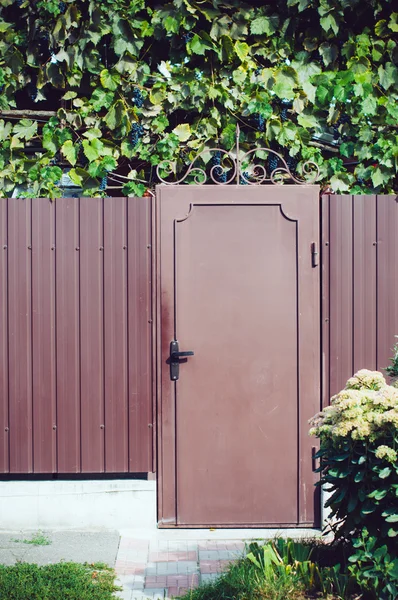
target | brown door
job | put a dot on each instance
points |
(237, 286)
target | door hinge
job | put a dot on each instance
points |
(314, 254)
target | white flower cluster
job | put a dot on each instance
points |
(367, 409)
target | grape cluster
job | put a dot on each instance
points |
(292, 164)
(19, 2)
(62, 7)
(285, 104)
(260, 123)
(137, 98)
(103, 184)
(187, 36)
(137, 131)
(218, 173)
(336, 133)
(216, 158)
(243, 180)
(1, 88)
(273, 162)
(344, 119)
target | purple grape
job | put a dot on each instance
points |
(137, 98)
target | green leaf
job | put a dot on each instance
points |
(69, 96)
(267, 25)
(92, 133)
(369, 105)
(93, 148)
(386, 472)
(101, 99)
(114, 117)
(285, 83)
(378, 494)
(342, 182)
(328, 52)
(82, 178)
(25, 129)
(392, 532)
(183, 132)
(198, 45)
(388, 75)
(109, 81)
(5, 130)
(392, 518)
(70, 152)
(308, 120)
(378, 178)
(329, 22)
(242, 50)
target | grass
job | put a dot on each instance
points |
(60, 581)
(37, 539)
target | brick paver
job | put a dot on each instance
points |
(164, 569)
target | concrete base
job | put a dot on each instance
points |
(107, 505)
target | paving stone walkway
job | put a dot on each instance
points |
(160, 569)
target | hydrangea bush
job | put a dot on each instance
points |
(358, 455)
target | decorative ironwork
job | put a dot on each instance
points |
(241, 170)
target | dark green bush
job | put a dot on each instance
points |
(359, 467)
(61, 581)
(374, 568)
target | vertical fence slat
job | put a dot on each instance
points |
(387, 278)
(20, 334)
(325, 308)
(4, 417)
(140, 334)
(91, 334)
(341, 291)
(364, 283)
(43, 331)
(115, 324)
(68, 335)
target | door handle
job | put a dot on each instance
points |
(174, 360)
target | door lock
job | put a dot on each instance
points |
(175, 356)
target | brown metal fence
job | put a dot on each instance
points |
(360, 285)
(76, 336)
(76, 323)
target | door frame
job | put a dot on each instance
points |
(272, 190)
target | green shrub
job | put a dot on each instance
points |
(55, 582)
(374, 568)
(358, 457)
(392, 369)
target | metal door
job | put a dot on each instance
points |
(239, 287)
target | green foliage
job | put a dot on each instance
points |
(374, 569)
(278, 570)
(37, 539)
(52, 582)
(316, 80)
(392, 369)
(358, 459)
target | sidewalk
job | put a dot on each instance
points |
(162, 569)
(150, 563)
